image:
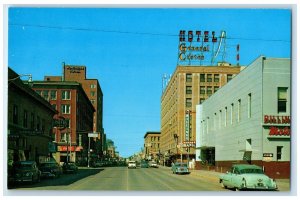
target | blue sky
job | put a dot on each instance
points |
(129, 50)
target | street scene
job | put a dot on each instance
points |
(140, 179)
(107, 99)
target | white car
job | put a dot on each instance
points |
(153, 164)
(132, 164)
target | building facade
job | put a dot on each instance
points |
(75, 111)
(29, 123)
(188, 86)
(94, 93)
(152, 146)
(248, 120)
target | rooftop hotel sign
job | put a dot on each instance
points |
(200, 47)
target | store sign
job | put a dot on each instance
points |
(187, 125)
(75, 69)
(280, 131)
(198, 46)
(271, 119)
(69, 148)
(189, 144)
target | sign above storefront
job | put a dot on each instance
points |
(273, 119)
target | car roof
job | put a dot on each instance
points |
(246, 166)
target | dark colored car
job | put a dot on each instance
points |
(144, 164)
(50, 170)
(25, 171)
(69, 167)
(180, 168)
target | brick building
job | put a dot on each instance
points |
(152, 145)
(188, 86)
(76, 111)
(29, 122)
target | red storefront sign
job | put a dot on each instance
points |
(68, 148)
(284, 131)
(271, 119)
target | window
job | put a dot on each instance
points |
(93, 101)
(239, 110)
(202, 77)
(188, 90)
(220, 117)
(188, 77)
(209, 90)
(38, 123)
(249, 105)
(46, 94)
(54, 106)
(92, 93)
(68, 124)
(15, 114)
(65, 109)
(66, 95)
(229, 77)
(216, 78)
(25, 119)
(282, 99)
(202, 89)
(39, 92)
(63, 137)
(216, 88)
(93, 86)
(209, 77)
(202, 100)
(279, 152)
(53, 94)
(188, 102)
(32, 121)
(225, 117)
(231, 113)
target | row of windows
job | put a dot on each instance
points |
(203, 89)
(64, 108)
(52, 94)
(208, 78)
(30, 120)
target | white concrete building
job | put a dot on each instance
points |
(248, 120)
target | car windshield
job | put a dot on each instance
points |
(181, 164)
(252, 171)
(48, 164)
(23, 165)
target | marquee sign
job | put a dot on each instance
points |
(200, 47)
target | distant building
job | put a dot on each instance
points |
(30, 120)
(75, 111)
(187, 87)
(152, 146)
(248, 120)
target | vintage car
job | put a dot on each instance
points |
(180, 168)
(144, 164)
(25, 171)
(50, 169)
(69, 167)
(131, 164)
(153, 164)
(247, 177)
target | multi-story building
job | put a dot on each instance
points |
(188, 86)
(248, 120)
(75, 111)
(29, 123)
(152, 146)
(93, 91)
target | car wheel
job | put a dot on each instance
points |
(222, 184)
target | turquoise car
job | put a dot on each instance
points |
(247, 177)
(180, 168)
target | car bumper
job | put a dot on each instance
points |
(47, 175)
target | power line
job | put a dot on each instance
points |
(135, 33)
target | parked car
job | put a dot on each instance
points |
(69, 167)
(25, 171)
(180, 168)
(98, 163)
(131, 164)
(50, 169)
(244, 177)
(153, 164)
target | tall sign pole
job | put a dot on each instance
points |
(93, 135)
